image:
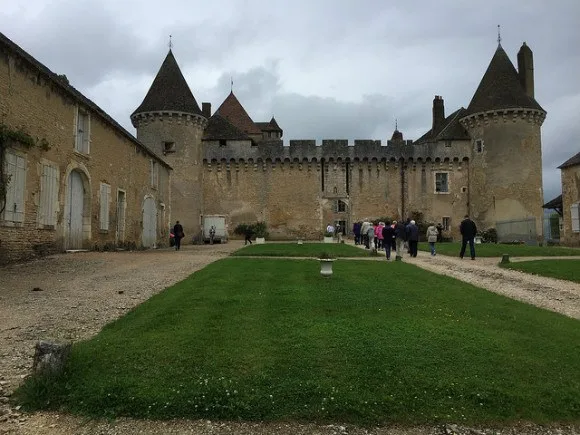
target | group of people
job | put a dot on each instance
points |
(398, 236)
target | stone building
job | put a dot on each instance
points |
(72, 177)
(483, 160)
(568, 203)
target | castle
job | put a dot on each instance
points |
(484, 160)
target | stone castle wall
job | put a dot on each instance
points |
(570, 195)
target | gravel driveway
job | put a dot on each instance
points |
(71, 296)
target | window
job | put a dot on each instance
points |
(575, 217)
(340, 206)
(447, 143)
(479, 146)
(446, 223)
(104, 199)
(154, 174)
(82, 131)
(168, 147)
(441, 182)
(48, 207)
(223, 142)
(15, 169)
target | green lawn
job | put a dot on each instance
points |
(497, 249)
(267, 339)
(305, 250)
(562, 269)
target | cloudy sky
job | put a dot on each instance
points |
(340, 69)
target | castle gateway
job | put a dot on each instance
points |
(484, 160)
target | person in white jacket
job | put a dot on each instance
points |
(432, 233)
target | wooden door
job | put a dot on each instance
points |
(121, 216)
(149, 238)
(74, 212)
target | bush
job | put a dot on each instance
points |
(258, 229)
(488, 236)
(328, 234)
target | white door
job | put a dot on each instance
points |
(120, 216)
(74, 212)
(149, 223)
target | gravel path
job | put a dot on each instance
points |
(72, 296)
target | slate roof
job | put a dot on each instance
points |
(234, 112)
(271, 125)
(572, 161)
(6, 43)
(169, 91)
(500, 88)
(219, 128)
(450, 129)
(554, 204)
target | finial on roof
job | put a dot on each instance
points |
(231, 84)
(170, 43)
(396, 124)
(498, 34)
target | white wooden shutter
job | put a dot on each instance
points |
(16, 171)
(104, 199)
(48, 196)
(575, 215)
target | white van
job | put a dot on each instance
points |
(221, 230)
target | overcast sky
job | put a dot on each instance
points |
(340, 69)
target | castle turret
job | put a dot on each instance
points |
(170, 122)
(504, 123)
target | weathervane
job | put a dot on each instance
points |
(231, 84)
(396, 124)
(498, 34)
(170, 43)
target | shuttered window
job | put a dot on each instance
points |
(48, 209)
(16, 172)
(575, 217)
(154, 174)
(82, 131)
(105, 197)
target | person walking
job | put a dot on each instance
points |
(248, 233)
(388, 233)
(371, 236)
(356, 232)
(211, 234)
(400, 235)
(363, 232)
(379, 235)
(432, 236)
(413, 238)
(468, 230)
(178, 234)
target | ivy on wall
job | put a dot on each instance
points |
(8, 135)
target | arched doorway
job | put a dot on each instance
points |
(149, 238)
(74, 213)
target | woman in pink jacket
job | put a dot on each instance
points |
(379, 235)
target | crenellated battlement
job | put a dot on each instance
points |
(330, 150)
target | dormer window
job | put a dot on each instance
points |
(223, 142)
(479, 146)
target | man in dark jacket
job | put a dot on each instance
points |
(388, 237)
(178, 234)
(412, 238)
(468, 231)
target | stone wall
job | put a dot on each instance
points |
(570, 195)
(31, 98)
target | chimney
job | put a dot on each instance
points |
(526, 69)
(438, 113)
(206, 109)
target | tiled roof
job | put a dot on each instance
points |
(219, 128)
(234, 112)
(500, 88)
(572, 161)
(450, 129)
(6, 43)
(169, 91)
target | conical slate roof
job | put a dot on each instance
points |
(500, 88)
(169, 91)
(234, 112)
(219, 128)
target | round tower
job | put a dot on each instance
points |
(170, 122)
(504, 122)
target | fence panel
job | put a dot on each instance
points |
(520, 230)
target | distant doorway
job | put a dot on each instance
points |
(121, 207)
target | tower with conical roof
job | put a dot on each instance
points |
(170, 122)
(504, 122)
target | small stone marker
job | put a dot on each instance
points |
(505, 258)
(50, 358)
